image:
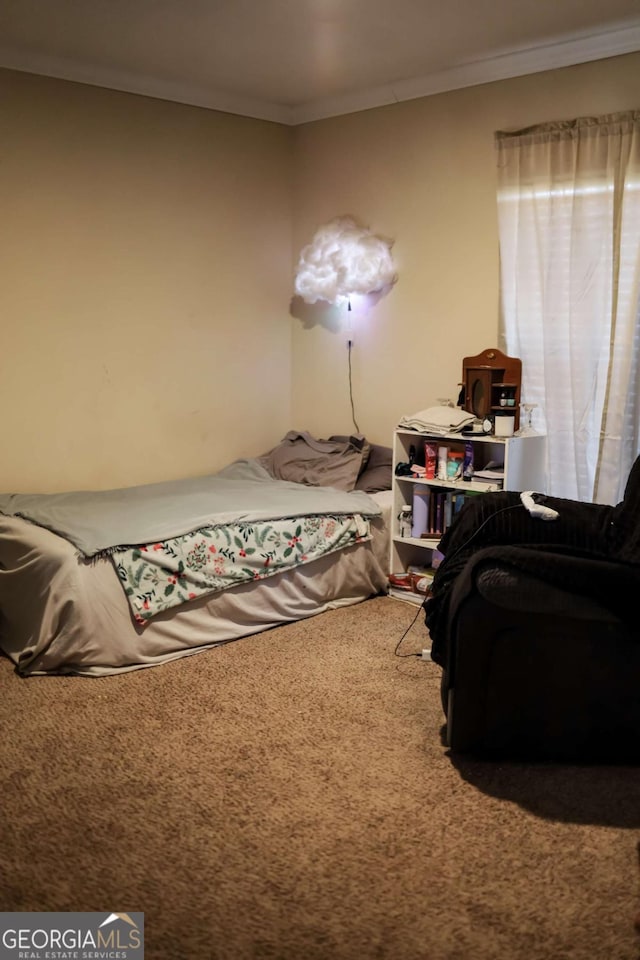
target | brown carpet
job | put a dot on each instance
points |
(288, 797)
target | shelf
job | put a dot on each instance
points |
(524, 469)
(460, 438)
(430, 542)
(464, 486)
(487, 374)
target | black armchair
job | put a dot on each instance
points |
(535, 626)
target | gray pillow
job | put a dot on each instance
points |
(378, 473)
(320, 463)
(356, 440)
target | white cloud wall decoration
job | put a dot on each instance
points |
(343, 258)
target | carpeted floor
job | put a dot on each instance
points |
(288, 797)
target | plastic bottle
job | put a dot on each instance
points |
(443, 456)
(420, 511)
(467, 465)
(430, 460)
(454, 465)
(405, 520)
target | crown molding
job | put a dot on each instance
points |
(145, 86)
(561, 53)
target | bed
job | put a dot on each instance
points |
(102, 582)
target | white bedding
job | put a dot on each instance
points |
(60, 614)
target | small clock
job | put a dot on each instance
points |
(487, 426)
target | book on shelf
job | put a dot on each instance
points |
(492, 472)
(434, 510)
(489, 476)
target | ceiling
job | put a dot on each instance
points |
(291, 61)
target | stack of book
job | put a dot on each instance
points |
(412, 586)
(492, 473)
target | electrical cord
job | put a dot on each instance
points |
(353, 414)
(514, 506)
(395, 652)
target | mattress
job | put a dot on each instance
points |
(61, 614)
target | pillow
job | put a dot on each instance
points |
(359, 442)
(301, 458)
(377, 475)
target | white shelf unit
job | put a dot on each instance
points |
(524, 469)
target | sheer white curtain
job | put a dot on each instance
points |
(569, 223)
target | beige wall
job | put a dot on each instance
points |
(423, 173)
(145, 269)
(146, 266)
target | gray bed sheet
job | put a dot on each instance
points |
(62, 614)
(97, 521)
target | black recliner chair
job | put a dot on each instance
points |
(535, 626)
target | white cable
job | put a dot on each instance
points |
(537, 509)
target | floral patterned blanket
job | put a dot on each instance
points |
(161, 575)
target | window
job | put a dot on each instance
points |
(569, 222)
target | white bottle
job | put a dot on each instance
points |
(405, 520)
(443, 455)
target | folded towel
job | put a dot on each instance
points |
(438, 420)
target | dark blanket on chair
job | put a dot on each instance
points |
(589, 550)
